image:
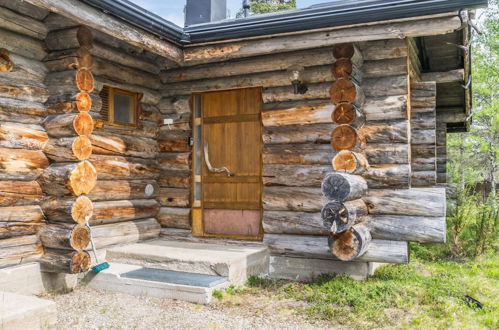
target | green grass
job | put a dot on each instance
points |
(418, 295)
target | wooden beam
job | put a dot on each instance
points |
(451, 115)
(98, 20)
(444, 77)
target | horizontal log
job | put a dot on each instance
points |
(386, 86)
(63, 261)
(350, 244)
(338, 217)
(174, 217)
(423, 178)
(286, 93)
(124, 210)
(390, 30)
(175, 179)
(174, 140)
(386, 108)
(424, 151)
(384, 49)
(341, 187)
(444, 77)
(123, 145)
(386, 67)
(125, 232)
(22, 24)
(294, 175)
(317, 247)
(396, 131)
(69, 124)
(424, 120)
(299, 114)
(289, 222)
(20, 164)
(149, 95)
(388, 176)
(25, 8)
(423, 164)
(106, 190)
(23, 89)
(407, 228)
(174, 197)
(300, 154)
(68, 210)
(68, 149)
(21, 111)
(147, 129)
(151, 112)
(18, 250)
(174, 160)
(396, 153)
(115, 55)
(350, 162)
(22, 136)
(65, 236)
(20, 220)
(68, 59)
(299, 199)
(74, 101)
(118, 167)
(57, 22)
(13, 193)
(176, 104)
(177, 234)
(73, 37)
(25, 68)
(312, 133)
(428, 202)
(68, 179)
(423, 136)
(22, 45)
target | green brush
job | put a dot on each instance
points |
(99, 266)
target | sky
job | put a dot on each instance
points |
(173, 10)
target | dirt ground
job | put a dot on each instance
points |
(87, 308)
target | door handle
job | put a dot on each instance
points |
(214, 169)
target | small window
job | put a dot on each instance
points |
(119, 107)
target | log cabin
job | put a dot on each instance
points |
(317, 134)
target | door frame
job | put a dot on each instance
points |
(197, 205)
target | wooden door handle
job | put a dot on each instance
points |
(214, 169)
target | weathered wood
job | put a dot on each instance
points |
(176, 104)
(343, 187)
(106, 190)
(75, 37)
(58, 22)
(146, 129)
(22, 136)
(425, 120)
(15, 66)
(350, 162)
(338, 217)
(300, 199)
(318, 112)
(444, 77)
(174, 160)
(64, 236)
(16, 250)
(125, 232)
(69, 149)
(68, 59)
(348, 51)
(386, 86)
(175, 179)
(74, 102)
(22, 24)
(174, 217)
(116, 55)
(391, 30)
(25, 8)
(294, 175)
(70, 81)
(22, 45)
(68, 210)
(14, 193)
(289, 222)
(69, 124)
(6, 64)
(423, 178)
(63, 179)
(384, 49)
(317, 247)
(174, 197)
(312, 133)
(346, 91)
(301, 154)
(21, 111)
(23, 89)
(87, 15)
(388, 176)
(344, 68)
(63, 261)
(123, 145)
(285, 93)
(383, 68)
(20, 164)
(345, 137)
(386, 108)
(124, 210)
(423, 137)
(118, 167)
(396, 153)
(427, 202)
(350, 244)
(20, 220)
(407, 228)
(386, 131)
(346, 113)
(174, 140)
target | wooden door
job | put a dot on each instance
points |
(231, 138)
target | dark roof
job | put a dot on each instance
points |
(330, 14)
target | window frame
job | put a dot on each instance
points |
(135, 107)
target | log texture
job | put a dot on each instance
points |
(63, 261)
(174, 217)
(290, 222)
(301, 199)
(350, 244)
(106, 190)
(16, 250)
(343, 187)
(62, 179)
(407, 228)
(125, 210)
(125, 232)
(63, 236)
(14, 193)
(337, 217)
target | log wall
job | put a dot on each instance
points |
(22, 136)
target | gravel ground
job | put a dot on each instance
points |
(87, 308)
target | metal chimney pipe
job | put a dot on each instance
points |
(246, 8)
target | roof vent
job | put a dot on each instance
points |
(204, 11)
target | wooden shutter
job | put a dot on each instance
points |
(104, 95)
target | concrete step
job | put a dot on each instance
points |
(159, 283)
(235, 262)
(23, 312)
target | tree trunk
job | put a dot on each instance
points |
(69, 210)
(351, 244)
(125, 210)
(65, 236)
(350, 162)
(343, 187)
(338, 217)
(63, 179)
(63, 261)
(173, 217)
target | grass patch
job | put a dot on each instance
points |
(418, 295)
